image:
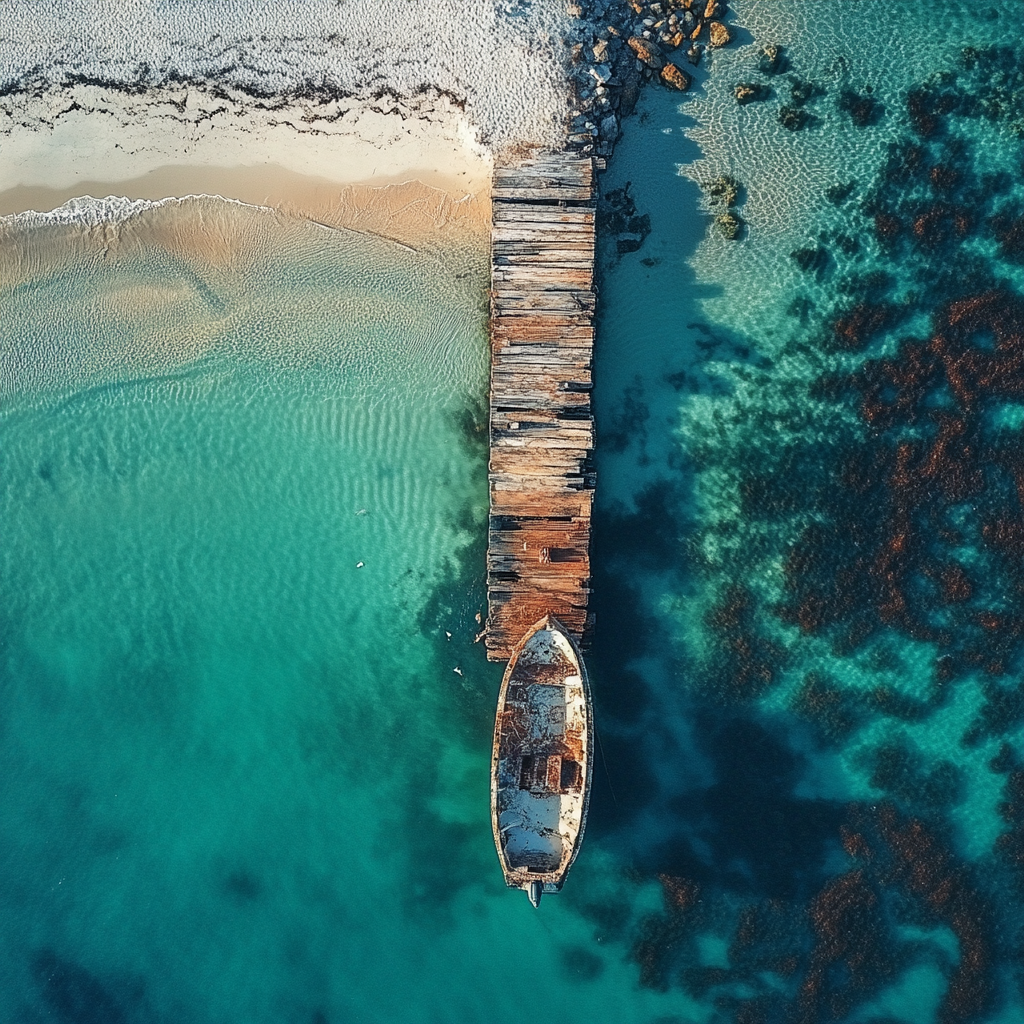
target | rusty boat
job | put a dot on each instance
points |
(542, 760)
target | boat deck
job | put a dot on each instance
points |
(541, 424)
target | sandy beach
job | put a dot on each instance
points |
(422, 181)
(381, 118)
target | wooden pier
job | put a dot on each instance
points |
(541, 425)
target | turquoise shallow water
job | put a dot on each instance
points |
(243, 501)
(222, 699)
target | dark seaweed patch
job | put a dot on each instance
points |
(838, 194)
(863, 109)
(833, 710)
(580, 964)
(746, 661)
(72, 994)
(884, 558)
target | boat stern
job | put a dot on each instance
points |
(534, 887)
(535, 891)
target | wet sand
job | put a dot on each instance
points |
(424, 183)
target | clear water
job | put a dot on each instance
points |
(243, 781)
(243, 466)
(808, 717)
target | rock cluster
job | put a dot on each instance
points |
(724, 194)
(621, 46)
(617, 216)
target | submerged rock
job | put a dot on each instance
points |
(730, 224)
(802, 92)
(837, 194)
(813, 259)
(646, 52)
(617, 216)
(772, 60)
(694, 54)
(793, 118)
(750, 92)
(723, 191)
(863, 108)
(675, 77)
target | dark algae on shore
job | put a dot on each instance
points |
(810, 534)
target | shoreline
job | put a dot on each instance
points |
(422, 181)
(408, 211)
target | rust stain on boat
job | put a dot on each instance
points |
(542, 760)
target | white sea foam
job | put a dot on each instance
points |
(89, 211)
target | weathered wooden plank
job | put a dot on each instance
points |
(540, 189)
(524, 567)
(571, 363)
(545, 417)
(507, 298)
(566, 218)
(562, 279)
(516, 429)
(561, 369)
(541, 429)
(524, 231)
(513, 439)
(513, 230)
(514, 218)
(527, 331)
(558, 464)
(558, 165)
(515, 295)
(542, 488)
(559, 260)
(554, 555)
(510, 350)
(566, 172)
(558, 250)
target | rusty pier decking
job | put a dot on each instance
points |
(541, 425)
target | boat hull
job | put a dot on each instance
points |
(542, 760)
